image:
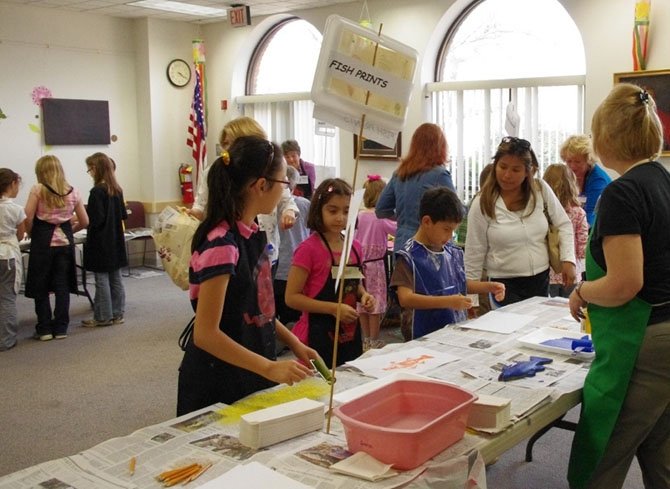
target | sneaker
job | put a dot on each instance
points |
(366, 344)
(117, 320)
(376, 344)
(43, 337)
(94, 323)
(60, 336)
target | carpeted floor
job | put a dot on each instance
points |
(63, 396)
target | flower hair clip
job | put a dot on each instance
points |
(327, 191)
(644, 97)
(374, 178)
(225, 157)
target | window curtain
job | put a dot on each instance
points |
(292, 119)
(473, 116)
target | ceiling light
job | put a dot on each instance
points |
(180, 7)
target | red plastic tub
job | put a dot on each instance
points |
(407, 422)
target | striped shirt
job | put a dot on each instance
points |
(218, 255)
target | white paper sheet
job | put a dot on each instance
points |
(359, 390)
(253, 474)
(499, 322)
(414, 360)
(355, 203)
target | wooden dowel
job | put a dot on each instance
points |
(199, 473)
(171, 481)
(171, 473)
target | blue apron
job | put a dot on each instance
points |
(436, 273)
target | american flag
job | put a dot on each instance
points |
(196, 128)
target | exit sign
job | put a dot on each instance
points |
(239, 16)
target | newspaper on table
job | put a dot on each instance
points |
(201, 437)
(61, 473)
(212, 434)
(173, 233)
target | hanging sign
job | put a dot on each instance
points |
(360, 72)
(239, 16)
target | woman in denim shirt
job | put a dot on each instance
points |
(422, 168)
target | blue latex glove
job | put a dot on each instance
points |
(584, 344)
(524, 369)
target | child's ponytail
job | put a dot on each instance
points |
(249, 158)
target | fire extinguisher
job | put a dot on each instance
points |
(186, 182)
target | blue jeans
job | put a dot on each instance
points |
(110, 297)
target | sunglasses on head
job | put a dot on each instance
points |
(511, 143)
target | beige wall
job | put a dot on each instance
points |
(124, 61)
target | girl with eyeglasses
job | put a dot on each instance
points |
(231, 351)
(507, 226)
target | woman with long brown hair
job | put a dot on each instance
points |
(105, 247)
(424, 167)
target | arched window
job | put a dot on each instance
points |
(279, 80)
(501, 59)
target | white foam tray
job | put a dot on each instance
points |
(535, 339)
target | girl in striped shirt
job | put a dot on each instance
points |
(231, 351)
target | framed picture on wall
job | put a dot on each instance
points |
(372, 150)
(657, 83)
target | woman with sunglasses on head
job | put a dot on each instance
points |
(626, 397)
(507, 226)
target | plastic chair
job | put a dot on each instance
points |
(136, 228)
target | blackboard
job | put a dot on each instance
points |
(72, 121)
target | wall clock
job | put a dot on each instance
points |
(179, 72)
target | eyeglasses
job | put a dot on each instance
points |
(286, 183)
(511, 143)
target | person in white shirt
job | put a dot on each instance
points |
(507, 226)
(287, 208)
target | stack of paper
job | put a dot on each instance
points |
(490, 412)
(282, 422)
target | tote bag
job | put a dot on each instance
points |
(173, 233)
(553, 244)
